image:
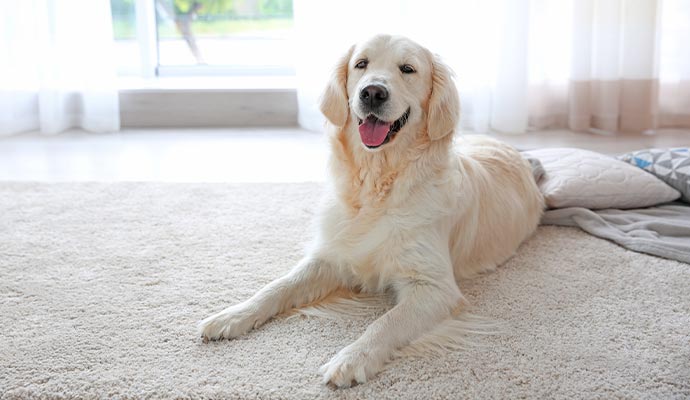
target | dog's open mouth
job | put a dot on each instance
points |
(375, 133)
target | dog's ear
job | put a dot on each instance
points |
(444, 103)
(334, 101)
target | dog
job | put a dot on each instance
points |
(408, 210)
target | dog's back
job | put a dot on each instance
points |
(497, 179)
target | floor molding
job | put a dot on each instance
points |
(183, 108)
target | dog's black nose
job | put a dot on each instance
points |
(374, 95)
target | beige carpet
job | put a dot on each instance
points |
(101, 286)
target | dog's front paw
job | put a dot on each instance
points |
(230, 323)
(352, 364)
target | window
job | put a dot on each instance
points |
(125, 34)
(202, 37)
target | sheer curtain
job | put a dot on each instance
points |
(56, 70)
(587, 65)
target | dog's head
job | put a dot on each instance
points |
(390, 86)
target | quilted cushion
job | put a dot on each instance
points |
(670, 165)
(582, 178)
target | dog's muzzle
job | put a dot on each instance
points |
(373, 96)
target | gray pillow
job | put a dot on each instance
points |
(670, 165)
(537, 169)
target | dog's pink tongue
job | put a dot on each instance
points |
(373, 131)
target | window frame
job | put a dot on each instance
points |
(147, 37)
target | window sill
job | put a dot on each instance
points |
(202, 83)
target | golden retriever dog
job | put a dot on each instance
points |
(408, 212)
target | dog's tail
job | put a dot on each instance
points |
(461, 331)
(344, 303)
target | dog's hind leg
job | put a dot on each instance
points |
(310, 280)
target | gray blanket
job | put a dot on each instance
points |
(662, 231)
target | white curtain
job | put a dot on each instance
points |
(587, 65)
(56, 70)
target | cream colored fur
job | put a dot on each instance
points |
(411, 216)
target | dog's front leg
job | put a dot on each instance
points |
(310, 280)
(421, 305)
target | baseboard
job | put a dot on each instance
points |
(167, 108)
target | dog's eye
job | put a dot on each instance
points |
(407, 69)
(361, 64)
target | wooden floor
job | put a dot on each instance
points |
(231, 155)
